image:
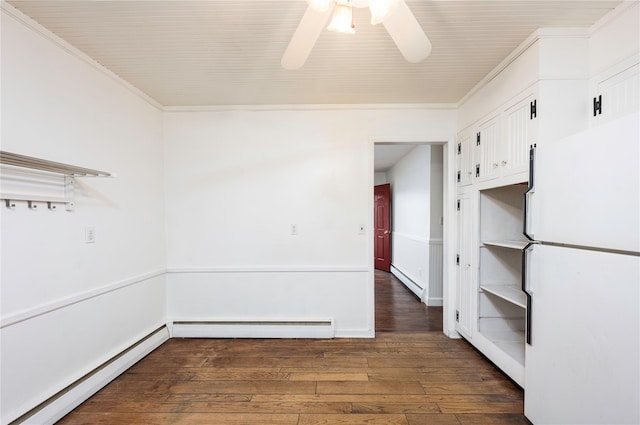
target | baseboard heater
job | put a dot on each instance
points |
(253, 328)
(64, 401)
(407, 281)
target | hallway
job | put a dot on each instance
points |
(410, 374)
(399, 310)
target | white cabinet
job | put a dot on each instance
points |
(520, 133)
(465, 265)
(616, 93)
(464, 159)
(489, 144)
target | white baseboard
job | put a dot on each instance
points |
(434, 302)
(55, 408)
(256, 328)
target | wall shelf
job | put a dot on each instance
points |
(24, 161)
(505, 243)
(28, 164)
(510, 293)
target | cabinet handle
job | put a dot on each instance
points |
(504, 163)
(495, 165)
(527, 195)
(527, 293)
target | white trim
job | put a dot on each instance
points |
(30, 313)
(312, 107)
(434, 302)
(411, 237)
(271, 269)
(55, 408)
(44, 32)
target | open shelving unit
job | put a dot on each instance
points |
(501, 302)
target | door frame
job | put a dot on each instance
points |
(448, 233)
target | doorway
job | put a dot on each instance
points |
(414, 174)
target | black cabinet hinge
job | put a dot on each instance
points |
(459, 148)
(458, 204)
(477, 139)
(533, 113)
(458, 176)
(457, 259)
(457, 316)
(597, 105)
(477, 170)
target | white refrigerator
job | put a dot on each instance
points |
(581, 274)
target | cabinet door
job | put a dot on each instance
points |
(520, 134)
(617, 95)
(487, 146)
(465, 268)
(465, 159)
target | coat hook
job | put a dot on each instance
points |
(9, 203)
(51, 206)
(32, 205)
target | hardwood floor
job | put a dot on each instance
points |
(409, 374)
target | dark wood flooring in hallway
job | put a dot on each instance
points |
(409, 374)
(399, 310)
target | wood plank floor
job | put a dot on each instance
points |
(409, 374)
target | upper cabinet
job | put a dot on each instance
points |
(616, 92)
(540, 92)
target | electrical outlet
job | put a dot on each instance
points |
(294, 229)
(90, 234)
(362, 230)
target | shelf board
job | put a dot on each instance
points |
(504, 243)
(510, 342)
(510, 293)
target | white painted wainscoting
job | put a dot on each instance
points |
(76, 345)
(410, 261)
(417, 263)
(263, 302)
(434, 294)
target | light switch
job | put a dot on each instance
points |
(90, 234)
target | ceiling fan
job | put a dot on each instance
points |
(395, 15)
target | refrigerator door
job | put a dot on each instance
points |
(582, 366)
(586, 188)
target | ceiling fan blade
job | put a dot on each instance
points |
(407, 33)
(305, 37)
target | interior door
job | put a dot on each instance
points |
(382, 227)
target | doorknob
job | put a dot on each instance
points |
(386, 232)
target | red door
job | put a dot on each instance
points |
(382, 227)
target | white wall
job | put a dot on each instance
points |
(410, 180)
(236, 181)
(68, 306)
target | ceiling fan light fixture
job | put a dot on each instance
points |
(319, 5)
(380, 9)
(342, 19)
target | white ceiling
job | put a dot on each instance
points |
(227, 52)
(387, 155)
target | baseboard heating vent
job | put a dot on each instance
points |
(64, 401)
(253, 328)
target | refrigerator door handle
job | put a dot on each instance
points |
(527, 195)
(527, 292)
